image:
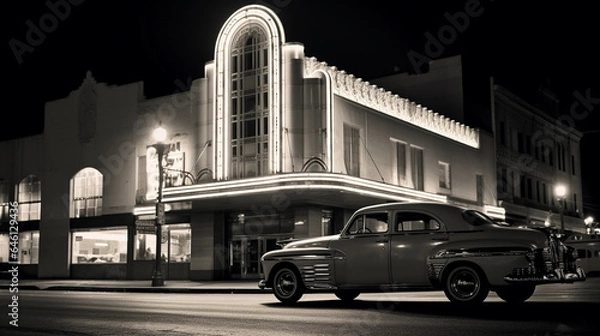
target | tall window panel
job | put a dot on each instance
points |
(86, 193)
(417, 167)
(444, 175)
(352, 150)
(503, 182)
(4, 201)
(250, 105)
(401, 162)
(29, 198)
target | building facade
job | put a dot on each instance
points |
(269, 145)
(537, 155)
(537, 150)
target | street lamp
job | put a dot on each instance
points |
(159, 135)
(560, 191)
(589, 221)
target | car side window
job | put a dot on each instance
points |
(410, 221)
(369, 223)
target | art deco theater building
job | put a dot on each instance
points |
(269, 145)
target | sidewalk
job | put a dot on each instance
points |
(139, 286)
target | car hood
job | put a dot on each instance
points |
(312, 242)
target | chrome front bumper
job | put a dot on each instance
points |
(262, 284)
(559, 276)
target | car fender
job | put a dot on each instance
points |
(314, 264)
(495, 257)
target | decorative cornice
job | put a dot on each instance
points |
(371, 96)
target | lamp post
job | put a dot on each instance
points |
(560, 192)
(159, 135)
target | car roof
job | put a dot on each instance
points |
(450, 214)
(426, 206)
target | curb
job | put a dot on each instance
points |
(28, 287)
(146, 289)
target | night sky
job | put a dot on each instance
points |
(50, 46)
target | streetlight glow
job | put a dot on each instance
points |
(560, 191)
(159, 134)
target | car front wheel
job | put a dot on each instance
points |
(287, 286)
(465, 285)
(515, 294)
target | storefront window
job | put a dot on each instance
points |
(29, 247)
(176, 244)
(145, 247)
(29, 243)
(100, 246)
(180, 245)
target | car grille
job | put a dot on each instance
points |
(316, 273)
(435, 270)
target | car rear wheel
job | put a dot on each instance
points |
(347, 294)
(465, 285)
(515, 294)
(287, 285)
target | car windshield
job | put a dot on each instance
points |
(476, 218)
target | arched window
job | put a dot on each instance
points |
(29, 193)
(86, 193)
(249, 105)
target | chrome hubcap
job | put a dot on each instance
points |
(465, 285)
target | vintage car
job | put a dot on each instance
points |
(421, 246)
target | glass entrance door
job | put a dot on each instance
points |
(245, 253)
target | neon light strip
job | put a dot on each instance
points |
(331, 181)
(291, 187)
(268, 20)
(144, 210)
